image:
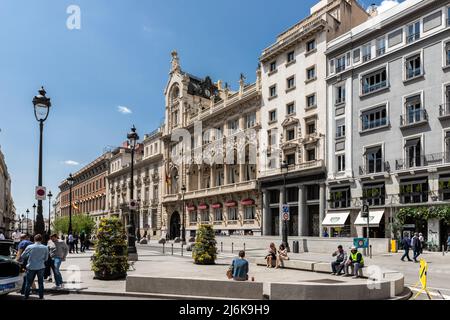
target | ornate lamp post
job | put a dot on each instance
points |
(42, 106)
(70, 181)
(49, 195)
(27, 221)
(34, 217)
(21, 223)
(284, 165)
(132, 252)
(183, 228)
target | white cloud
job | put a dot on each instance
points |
(386, 5)
(71, 163)
(124, 110)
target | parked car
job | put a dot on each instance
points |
(10, 278)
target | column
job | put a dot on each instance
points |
(212, 176)
(225, 174)
(241, 172)
(321, 207)
(280, 216)
(302, 214)
(266, 213)
(188, 179)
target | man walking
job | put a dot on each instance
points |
(416, 246)
(36, 254)
(16, 238)
(58, 253)
(82, 241)
(406, 243)
(70, 241)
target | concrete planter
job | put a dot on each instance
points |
(110, 277)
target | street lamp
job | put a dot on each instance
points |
(132, 252)
(49, 195)
(70, 181)
(42, 106)
(183, 228)
(28, 211)
(21, 223)
(34, 216)
(284, 165)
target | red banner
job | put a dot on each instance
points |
(216, 206)
(202, 206)
(248, 202)
(231, 204)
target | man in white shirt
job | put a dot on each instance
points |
(16, 238)
(2, 236)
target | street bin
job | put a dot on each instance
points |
(394, 246)
(295, 247)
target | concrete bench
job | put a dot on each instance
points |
(324, 267)
(195, 287)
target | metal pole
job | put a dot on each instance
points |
(221, 246)
(40, 218)
(182, 249)
(172, 248)
(370, 251)
(285, 223)
(49, 212)
(232, 247)
(132, 231)
(34, 221)
(164, 248)
(244, 246)
(70, 208)
(183, 230)
(368, 235)
(27, 222)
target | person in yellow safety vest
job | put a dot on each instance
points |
(356, 261)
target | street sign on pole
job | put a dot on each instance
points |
(365, 211)
(41, 193)
(133, 205)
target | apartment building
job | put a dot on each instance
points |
(210, 147)
(388, 120)
(88, 190)
(293, 117)
(7, 209)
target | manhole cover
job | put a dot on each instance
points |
(325, 281)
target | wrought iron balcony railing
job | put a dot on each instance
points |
(413, 117)
(423, 161)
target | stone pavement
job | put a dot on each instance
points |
(79, 277)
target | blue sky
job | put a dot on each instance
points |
(119, 57)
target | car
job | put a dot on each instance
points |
(10, 277)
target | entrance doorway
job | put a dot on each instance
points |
(313, 221)
(275, 215)
(174, 231)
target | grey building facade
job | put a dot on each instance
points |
(389, 122)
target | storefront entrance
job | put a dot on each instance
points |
(174, 231)
(313, 221)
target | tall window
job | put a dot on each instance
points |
(374, 160)
(413, 32)
(218, 214)
(311, 127)
(290, 56)
(233, 126)
(273, 66)
(340, 198)
(413, 66)
(250, 120)
(311, 73)
(311, 101)
(447, 54)
(290, 134)
(204, 215)
(340, 94)
(249, 213)
(415, 191)
(273, 91)
(374, 194)
(413, 152)
(311, 154)
(193, 217)
(374, 81)
(272, 135)
(310, 45)
(290, 108)
(290, 82)
(414, 110)
(356, 55)
(272, 115)
(340, 64)
(374, 118)
(340, 159)
(340, 130)
(367, 52)
(381, 46)
(290, 159)
(232, 214)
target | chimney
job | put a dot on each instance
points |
(373, 11)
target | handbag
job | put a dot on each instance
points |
(230, 272)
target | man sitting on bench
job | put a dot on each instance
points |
(355, 261)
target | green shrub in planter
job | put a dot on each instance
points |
(110, 260)
(204, 250)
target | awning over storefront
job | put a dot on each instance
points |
(216, 206)
(202, 206)
(248, 202)
(191, 208)
(335, 219)
(375, 217)
(231, 204)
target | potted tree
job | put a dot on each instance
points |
(110, 260)
(204, 251)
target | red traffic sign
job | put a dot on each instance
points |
(41, 193)
(286, 216)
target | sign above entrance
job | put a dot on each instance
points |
(361, 243)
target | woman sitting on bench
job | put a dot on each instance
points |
(271, 256)
(282, 255)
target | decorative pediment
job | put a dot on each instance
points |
(290, 121)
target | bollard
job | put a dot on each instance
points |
(182, 249)
(443, 250)
(221, 247)
(232, 247)
(172, 248)
(164, 247)
(370, 251)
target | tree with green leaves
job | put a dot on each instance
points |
(204, 251)
(80, 222)
(110, 260)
